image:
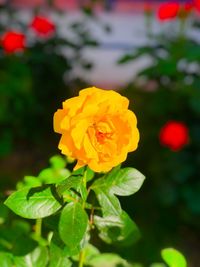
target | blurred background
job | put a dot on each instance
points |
(148, 51)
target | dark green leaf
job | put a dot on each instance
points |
(70, 182)
(3, 213)
(34, 203)
(73, 224)
(117, 229)
(127, 58)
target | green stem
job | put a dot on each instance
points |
(182, 28)
(38, 227)
(82, 252)
(81, 258)
(85, 179)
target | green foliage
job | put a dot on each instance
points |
(75, 203)
(167, 89)
(56, 173)
(73, 224)
(173, 258)
(117, 229)
(6, 259)
(37, 258)
(38, 202)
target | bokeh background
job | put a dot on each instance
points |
(146, 50)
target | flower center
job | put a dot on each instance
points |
(100, 134)
(101, 137)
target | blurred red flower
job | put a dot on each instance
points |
(13, 42)
(197, 4)
(168, 11)
(174, 135)
(43, 26)
(188, 6)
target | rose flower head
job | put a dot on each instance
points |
(13, 41)
(174, 135)
(168, 11)
(43, 26)
(97, 129)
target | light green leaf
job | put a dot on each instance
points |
(50, 175)
(125, 182)
(121, 230)
(34, 203)
(90, 252)
(108, 260)
(58, 162)
(29, 181)
(89, 174)
(109, 203)
(37, 258)
(173, 257)
(73, 224)
(6, 259)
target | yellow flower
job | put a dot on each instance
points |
(97, 129)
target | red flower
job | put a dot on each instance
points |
(197, 5)
(13, 42)
(188, 6)
(168, 11)
(43, 26)
(174, 135)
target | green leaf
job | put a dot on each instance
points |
(73, 224)
(3, 213)
(6, 259)
(58, 257)
(37, 258)
(70, 182)
(90, 252)
(58, 162)
(109, 203)
(108, 260)
(127, 58)
(134, 55)
(50, 175)
(117, 229)
(157, 264)
(122, 182)
(34, 203)
(173, 257)
(89, 174)
(29, 181)
(126, 182)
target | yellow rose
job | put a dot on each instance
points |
(97, 129)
